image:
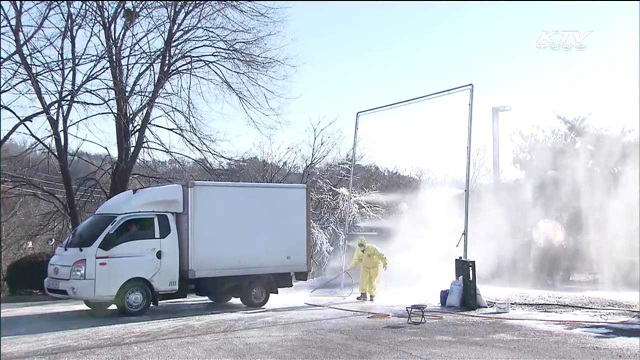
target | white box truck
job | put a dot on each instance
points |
(221, 240)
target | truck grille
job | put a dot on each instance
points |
(58, 292)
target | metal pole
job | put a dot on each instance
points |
(496, 146)
(346, 222)
(466, 191)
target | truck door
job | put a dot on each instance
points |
(126, 252)
(166, 280)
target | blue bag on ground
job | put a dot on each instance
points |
(443, 297)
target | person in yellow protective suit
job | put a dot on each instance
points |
(371, 258)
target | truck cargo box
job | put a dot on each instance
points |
(232, 229)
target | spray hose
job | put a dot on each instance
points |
(480, 316)
(373, 314)
(330, 280)
(331, 306)
(477, 316)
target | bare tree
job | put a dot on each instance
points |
(164, 57)
(322, 144)
(9, 59)
(49, 59)
(329, 206)
(480, 170)
(274, 161)
(148, 65)
(32, 199)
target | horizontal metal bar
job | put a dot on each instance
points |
(414, 99)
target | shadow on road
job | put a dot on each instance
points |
(31, 324)
(608, 332)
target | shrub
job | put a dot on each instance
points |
(27, 273)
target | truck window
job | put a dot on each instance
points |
(163, 225)
(88, 232)
(130, 230)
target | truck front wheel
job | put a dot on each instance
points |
(134, 298)
(255, 294)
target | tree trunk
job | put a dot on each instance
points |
(67, 181)
(119, 180)
(72, 207)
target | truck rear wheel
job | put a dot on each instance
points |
(134, 298)
(220, 298)
(255, 294)
(98, 307)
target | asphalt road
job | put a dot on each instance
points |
(286, 328)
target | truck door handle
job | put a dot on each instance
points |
(159, 254)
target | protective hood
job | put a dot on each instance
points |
(362, 241)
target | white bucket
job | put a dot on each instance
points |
(503, 306)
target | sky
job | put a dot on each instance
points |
(354, 56)
(362, 55)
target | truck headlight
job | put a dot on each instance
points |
(78, 270)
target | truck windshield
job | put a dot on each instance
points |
(87, 233)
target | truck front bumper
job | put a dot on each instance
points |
(70, 289)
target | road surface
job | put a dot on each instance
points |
(287, 328)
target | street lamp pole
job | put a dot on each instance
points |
(496, 141)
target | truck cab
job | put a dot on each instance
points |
(126, 242)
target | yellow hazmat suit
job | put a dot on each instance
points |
(371, 259)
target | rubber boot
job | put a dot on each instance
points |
(362, 297)
(371, 299)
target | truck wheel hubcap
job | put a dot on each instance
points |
(134, 299)
(258, 294)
